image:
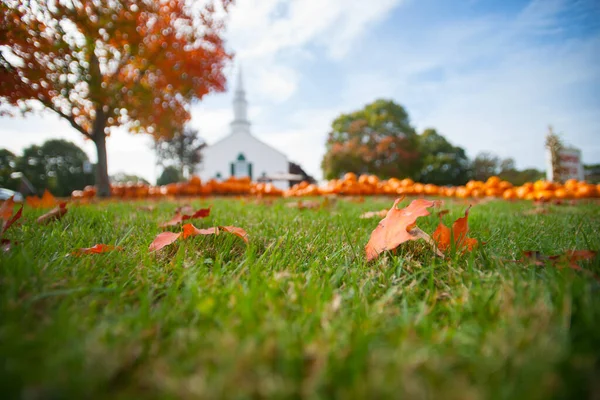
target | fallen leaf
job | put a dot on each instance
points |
(55, 214)
(147, 208)
(7, 208)
(162, 240)
(96, 249)
(184, 209)
(32, 201)
(441, 213)
(191, 230)
(371, 214)
(311, 204)
(6, 214)
(569, 258)
(47, 200)
(395, 228)
(443, 237)
(239, 232)
(179, 218)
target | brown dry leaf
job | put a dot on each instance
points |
(371, 214)
(54, 214)
(443, 237)
(96, 249)
(396, 227)
(148, 208)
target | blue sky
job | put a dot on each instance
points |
(489, 75)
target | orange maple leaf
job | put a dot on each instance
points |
(398, 226)
(166, 238)
(96, 249)
(443, 237)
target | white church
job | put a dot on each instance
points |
(240, 154)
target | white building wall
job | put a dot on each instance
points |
(264, 159)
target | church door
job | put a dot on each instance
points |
(241, 168)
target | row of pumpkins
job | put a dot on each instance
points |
(361, 185)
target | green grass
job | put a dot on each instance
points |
(297, 312)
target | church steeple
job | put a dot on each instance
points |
(240, 121)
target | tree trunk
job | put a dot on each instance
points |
(99, 137)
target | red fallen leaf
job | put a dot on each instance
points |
(96, 249)
(201, 213)
(569, 258)
(162, 240)
(179, 218)
(396, 227)
(55, 214)
(191, 230)
(6, 214)
(443, 236)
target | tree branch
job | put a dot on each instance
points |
(68, 118)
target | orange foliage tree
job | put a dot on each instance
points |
(103, 64)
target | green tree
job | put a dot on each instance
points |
(8, 165)
(485, 165)
(182, 151)
(443, 163)
(169, 175)
(57, 165)
(377, 139)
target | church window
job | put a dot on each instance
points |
(241, 168)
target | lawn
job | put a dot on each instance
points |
(298, 312)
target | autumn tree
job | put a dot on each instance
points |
(104, 64)
(182, 150)
(378, 139)
(443, 163)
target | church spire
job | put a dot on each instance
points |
(240, 107)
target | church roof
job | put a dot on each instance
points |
(240, 123)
